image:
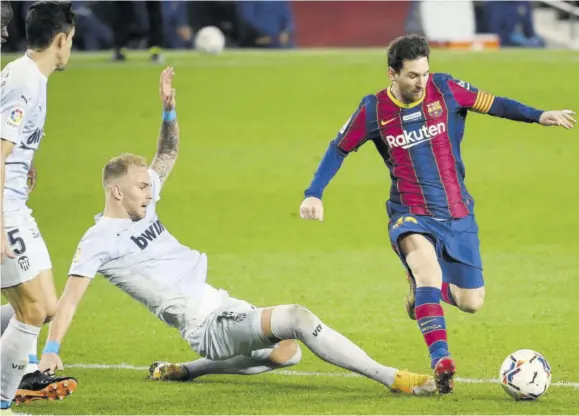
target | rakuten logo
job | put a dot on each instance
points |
(409, 139)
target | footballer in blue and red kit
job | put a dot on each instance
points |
(417, 125)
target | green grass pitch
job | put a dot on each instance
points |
(253, 128)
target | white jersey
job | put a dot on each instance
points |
(23, 110)
(145, 261)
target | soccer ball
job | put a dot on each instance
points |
(210, 39)
(525, 375)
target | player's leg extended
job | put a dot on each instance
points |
(422, 260)
(37, 385)
(284, 354)
(296, 322)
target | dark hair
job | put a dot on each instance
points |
(409, 47)
(45, 20)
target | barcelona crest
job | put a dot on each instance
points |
(434, 109)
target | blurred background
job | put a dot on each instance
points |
(121, 26)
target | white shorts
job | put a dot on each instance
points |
(28, 245)
(233, 328)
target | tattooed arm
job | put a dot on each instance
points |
(168, 141)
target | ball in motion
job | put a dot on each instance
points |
(210, 39)
(525, 375)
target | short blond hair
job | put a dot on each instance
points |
(119, 166)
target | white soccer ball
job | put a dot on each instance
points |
(525, 375)
(210, 39)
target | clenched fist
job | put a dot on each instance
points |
(312, 208)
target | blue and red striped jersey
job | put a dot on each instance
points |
(420, 143)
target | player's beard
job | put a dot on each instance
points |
(412, 96)
(134, 216)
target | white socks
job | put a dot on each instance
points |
(6, 313)
(16, 341)
(297, 322)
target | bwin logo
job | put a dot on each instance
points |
(150, 234)
(412, 138)
(34, 137)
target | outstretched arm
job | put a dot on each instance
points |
(471, 98)
(350, 137)
(168, 141)
(65, 310)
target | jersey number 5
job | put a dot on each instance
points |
(16, 242)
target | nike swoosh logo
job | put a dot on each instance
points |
(426, 322)
(385, 122)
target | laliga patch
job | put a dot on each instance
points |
(16, 117)
(464, 85)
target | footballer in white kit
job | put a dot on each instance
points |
(26, 276)
(23, 116)
(131, 248)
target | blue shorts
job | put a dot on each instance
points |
(456, 242)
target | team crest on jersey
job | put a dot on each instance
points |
(434, 109)
(16, 117)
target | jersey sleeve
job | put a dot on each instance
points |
(467, 96)
(471, 98)
(16, 106)
(353, 133)
(92, 252)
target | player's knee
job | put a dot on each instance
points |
(425, 268)
(290, 321)
(287, 353)
(471, 301)
(301, 317)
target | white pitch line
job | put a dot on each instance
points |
(292, 373)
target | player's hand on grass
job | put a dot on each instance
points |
(50, 361)
(166, 91)
(31, 179)
(6, 250)
(312, 208)
(563, 118)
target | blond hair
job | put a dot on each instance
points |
(119, 166)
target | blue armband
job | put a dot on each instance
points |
(51, 347)
(169, 115)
